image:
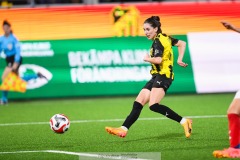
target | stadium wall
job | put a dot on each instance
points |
(78, 50)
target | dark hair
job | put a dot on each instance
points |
(154, 21)
(5, 22)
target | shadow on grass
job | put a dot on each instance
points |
(159, 138)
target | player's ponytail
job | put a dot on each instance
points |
(154, 21)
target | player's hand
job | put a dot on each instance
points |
(227, 25)
(146, 57)
(14, 69)
(182, 64)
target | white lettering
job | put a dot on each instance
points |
(106, 57)
(36, 49)
(110, 74)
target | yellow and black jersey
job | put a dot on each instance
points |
(162, 47)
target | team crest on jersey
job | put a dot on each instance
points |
(10, 46)
(156, 51)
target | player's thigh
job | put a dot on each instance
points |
(235, 105)
(143, 96)
(18, 66)
(156, 95)
(6, 71)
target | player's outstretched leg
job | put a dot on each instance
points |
(132, 117)
(169, 113)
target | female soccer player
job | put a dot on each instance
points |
(233, 114)
(161, 59)
(11, 47)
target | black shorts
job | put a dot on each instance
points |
(10, 61)
(159, 81)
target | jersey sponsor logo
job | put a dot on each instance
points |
(159, 82)
(32, 69)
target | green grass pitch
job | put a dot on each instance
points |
(146, 135)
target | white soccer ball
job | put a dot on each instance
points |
(59, 123)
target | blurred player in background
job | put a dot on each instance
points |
(161, 59)
(125, 21)
(233, 114)
(11, 48)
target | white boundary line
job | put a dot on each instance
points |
(111, 120)
(15, 152)
(72, 153)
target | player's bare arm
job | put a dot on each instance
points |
(154, 60)
(181, 50)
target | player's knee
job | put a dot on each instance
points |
(229, 111)
(152, 102)
(234, 108)
(141, 100)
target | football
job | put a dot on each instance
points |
(59, 123)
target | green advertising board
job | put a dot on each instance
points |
(94, 67)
